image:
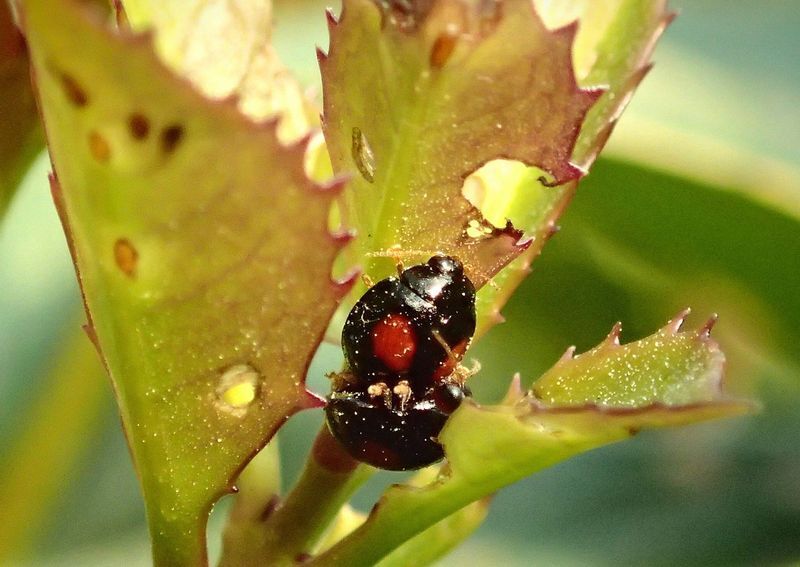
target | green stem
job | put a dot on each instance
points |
(287, 531)
(177, 542)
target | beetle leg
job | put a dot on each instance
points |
(450, 354)
(381, 390)
(462, 373)
(340, 379)
(403, 390)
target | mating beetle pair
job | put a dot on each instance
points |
(403, 342)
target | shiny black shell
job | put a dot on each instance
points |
(390, 336)
(431, 296)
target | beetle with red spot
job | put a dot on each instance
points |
(403, 341)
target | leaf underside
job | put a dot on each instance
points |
(203, 254)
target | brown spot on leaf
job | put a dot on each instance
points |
(442, 49)
(126, 257)
(75, 93)
(139, 126)
(99, 147)
(171, 137)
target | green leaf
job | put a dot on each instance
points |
(488, 448)
(20, 132)
(612, 48)
(671, 368)
(418, 99)
(203, 254)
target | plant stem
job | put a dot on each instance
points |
(286, 532)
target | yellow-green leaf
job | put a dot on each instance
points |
(204, 258)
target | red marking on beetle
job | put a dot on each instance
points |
(394, 342)
(375, 452)
(449, 363)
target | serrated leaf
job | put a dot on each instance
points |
(20, 132)
(612, 48)
(418, 98)
(667, 367)
(203, 254)
(224, 48)
(488, 448)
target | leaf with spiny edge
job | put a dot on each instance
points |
(418, 98)
(668, 367)
(488, 448)
(203, 254)
(612, 48)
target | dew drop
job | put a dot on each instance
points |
(237, 389)
(363, 155)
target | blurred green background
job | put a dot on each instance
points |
(697, 202)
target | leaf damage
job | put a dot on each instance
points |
(436, 90)
(613, 46)
(204, 257)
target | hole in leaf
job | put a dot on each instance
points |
(99, 147)
(139, 126)
(504, 190)
(126, 256)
